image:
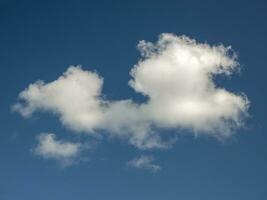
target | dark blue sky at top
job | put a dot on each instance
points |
(40, 39)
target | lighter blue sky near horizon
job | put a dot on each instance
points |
(39, 40)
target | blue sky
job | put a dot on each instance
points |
(53, 148)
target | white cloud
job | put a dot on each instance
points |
(74, 96)
(176, 74)
(50, 148)
(144, 162)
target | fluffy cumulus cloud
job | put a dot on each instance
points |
(176, 74)
(74, 96)
(144, 162)
(50, 148)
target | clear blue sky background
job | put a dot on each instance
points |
(40, 39)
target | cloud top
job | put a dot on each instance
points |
(175, 73)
